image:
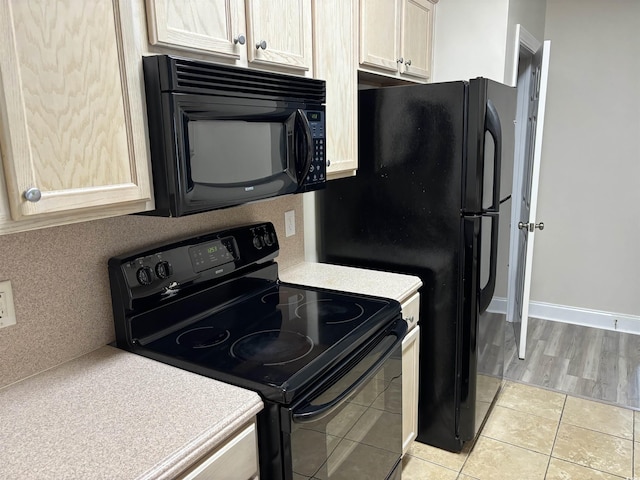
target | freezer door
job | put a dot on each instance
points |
(488, 170)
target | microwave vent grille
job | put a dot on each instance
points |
(209, 78)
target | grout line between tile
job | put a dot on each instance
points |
(556, 436)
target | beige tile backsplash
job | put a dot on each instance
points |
(60, 281)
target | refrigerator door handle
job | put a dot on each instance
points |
(486, 293)
(492, 125)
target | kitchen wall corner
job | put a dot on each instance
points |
(60, 281)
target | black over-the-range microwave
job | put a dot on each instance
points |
(223, 136)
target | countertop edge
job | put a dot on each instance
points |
(201, 446)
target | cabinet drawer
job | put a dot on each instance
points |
(411, 310)
(235, 460)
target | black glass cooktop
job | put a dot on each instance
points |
(279, 339)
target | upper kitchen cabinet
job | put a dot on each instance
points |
(211, 26)
(72, 127)
(396, 38)
(335, 61)
(267, 35)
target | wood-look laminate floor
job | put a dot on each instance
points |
(581, 361)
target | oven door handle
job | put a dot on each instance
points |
(311, 413)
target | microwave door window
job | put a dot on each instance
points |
(226, 152)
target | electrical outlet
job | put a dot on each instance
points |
(7, 312)
(290, 223)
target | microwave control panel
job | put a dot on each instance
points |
(318, 170)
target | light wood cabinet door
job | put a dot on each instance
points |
(212, 26)
(71, 112)
(380, 34)
(396, 38)
(416, 46)
(410, 372)
(335, 61)
(279, 32)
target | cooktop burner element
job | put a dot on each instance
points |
(283, 297)
(203, 337)
(331, 311)
(272, 347)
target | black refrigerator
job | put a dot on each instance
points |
(432, 198)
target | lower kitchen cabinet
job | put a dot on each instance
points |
(410, 370)
(236, 459)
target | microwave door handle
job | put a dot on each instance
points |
(492, 125)
(302, 169)
(311, 413)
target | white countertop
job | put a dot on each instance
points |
(354, 280)
(115, 415)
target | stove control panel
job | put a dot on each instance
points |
(164, 270)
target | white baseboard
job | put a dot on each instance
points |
(577, 316)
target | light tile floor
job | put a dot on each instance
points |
(538, 434)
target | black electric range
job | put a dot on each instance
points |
(214, 305)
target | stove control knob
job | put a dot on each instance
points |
(257, 242)
(164, 269)
(268, 239)
(144, 276)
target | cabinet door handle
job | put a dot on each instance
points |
(407, 63)
(261, 45)
(239, 40)
(33, 194)
(400, 60)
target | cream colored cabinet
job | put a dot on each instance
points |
(410, 372)
(213, 26)
(236, 459)
(72, 116)
(274, 34)
(396, 38)
(335, 61)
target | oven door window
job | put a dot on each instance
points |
(362, 437)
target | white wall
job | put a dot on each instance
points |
(470, 39)
(531, 15)
(476, 38)
(588, 255)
